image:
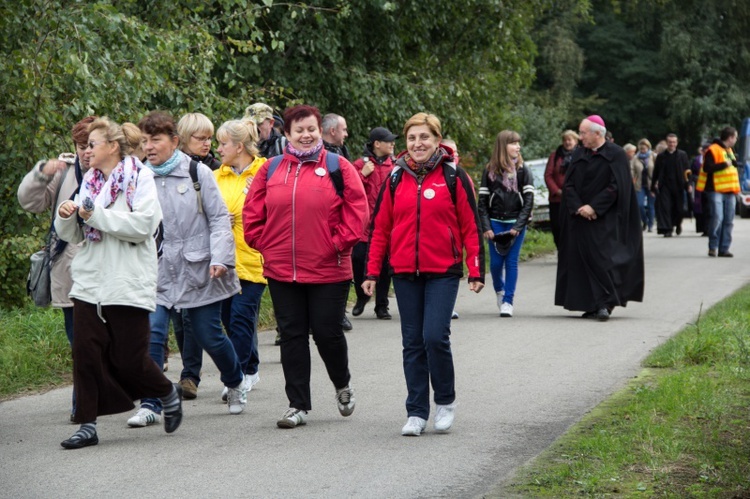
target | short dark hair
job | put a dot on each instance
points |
(301, 112)
(80, 131)
(727, 132)
(672, 135)
(157, 122)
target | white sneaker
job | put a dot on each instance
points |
(414, 427)
(144, 417)
(292, 417)
(345, 400)
(444, 417)
(250, 381)
(500, 300)
(506, 310)
(237, 398)
(454, 315)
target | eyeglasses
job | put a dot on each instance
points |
(201, 139)
(93, 144)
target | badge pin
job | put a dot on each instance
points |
(182, 188)
(429, 194)
(320, 172)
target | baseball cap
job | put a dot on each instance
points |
(381, 134)
(259, 112)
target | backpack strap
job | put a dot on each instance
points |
(394, 179)
(449, 172)
(332, 164)
(196, 183)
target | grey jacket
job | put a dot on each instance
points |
(37, 195)
(193, 241)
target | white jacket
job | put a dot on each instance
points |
(120, 269)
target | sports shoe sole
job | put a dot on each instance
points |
(288, 423)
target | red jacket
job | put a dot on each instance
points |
(421, 229)
(554, 176)
(303, 229)
(373, 182)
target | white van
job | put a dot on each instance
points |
(540, 214)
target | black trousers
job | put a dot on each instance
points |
(359, 257)
(554, 222)
(299, 309)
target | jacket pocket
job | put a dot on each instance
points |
(456, 253)
(197, 265)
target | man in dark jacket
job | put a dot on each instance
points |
(600, 260)
(669, 183)
(374, 168)
(272, 143)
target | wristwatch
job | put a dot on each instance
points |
(88, 204)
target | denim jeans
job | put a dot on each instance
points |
(425, 306)
(239, 315)
(508, 262)
(202, 330)
(721, 221)
(299, 309)
(68, 319)
(648, 212)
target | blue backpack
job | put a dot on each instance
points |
(332, 164)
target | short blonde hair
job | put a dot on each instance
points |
(112, 132)
(432, 122)
(243, 132)
(570, 133)
(190, 124)
(629, 147)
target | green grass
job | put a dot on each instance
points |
(536, 243)
(34, 351)
(681, 429)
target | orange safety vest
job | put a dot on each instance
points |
(725, 180)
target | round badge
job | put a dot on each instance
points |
(320, 172)
(182, 188)
(429, 194)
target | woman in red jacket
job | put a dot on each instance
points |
(426, 217)
(304, 213)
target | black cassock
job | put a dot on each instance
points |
(600, 262)
(669, 171)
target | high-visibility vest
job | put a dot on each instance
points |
(725, 180)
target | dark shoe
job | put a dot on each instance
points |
(277, 341)
(650, 229)
(589, 315)
(383, 314)
(678, 230)
(602, 315)
(667, 234)
(644, 226)
(188, 389)
(359, 307)
(173, 419)
(80, 443)
(726, 254)
(711, 252)
(345, 324)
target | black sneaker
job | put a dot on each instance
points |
(173, 419)
(383, 314)
(725, 254)
(345, 324)
(359, 307)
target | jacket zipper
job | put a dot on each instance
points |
(453, 245)
(294, 222)
(419, 207)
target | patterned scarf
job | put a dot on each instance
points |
(422, 169)
(166, 167)
(103, 192)
(304, 155)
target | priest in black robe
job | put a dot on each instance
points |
(669, 186)
(600, 258)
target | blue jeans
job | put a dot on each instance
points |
(722, 220)
(239, 314)
(68, 319)
(646, 206)
(509, 262)
(202, 329)
(425, 307)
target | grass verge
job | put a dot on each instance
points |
(681, 429)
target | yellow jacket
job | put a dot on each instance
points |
(233, 189)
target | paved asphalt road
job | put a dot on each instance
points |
(521, 383)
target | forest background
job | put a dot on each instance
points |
(649, 67)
